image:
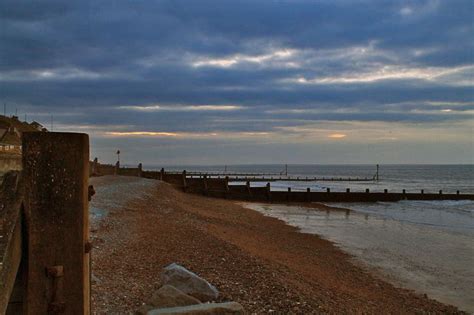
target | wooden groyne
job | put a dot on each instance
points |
(224, 174)
(220, 188)
(44, 230)
(98, 169)
(272, 177)
(286, 178)
(224, 187)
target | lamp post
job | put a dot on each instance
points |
(118, 156)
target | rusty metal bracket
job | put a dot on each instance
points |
(55, 271)
(56, 306)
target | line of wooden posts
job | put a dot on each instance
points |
(212, 186)
(220, 188)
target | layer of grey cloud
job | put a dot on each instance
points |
(282, 63)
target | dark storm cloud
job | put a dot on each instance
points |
(91, 57)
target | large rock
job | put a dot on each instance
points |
(188, 282)
(169, 296)
(144, 309)
(202, 309)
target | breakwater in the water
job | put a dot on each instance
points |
(211, 186)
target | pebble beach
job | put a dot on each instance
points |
(139, 226)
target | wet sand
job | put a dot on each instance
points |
(430, 260)
(253, 259)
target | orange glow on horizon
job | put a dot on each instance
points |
(337, 136)
(141, 133)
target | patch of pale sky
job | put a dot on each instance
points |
(178, 107)
(388, 72)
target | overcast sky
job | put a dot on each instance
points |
(223, 82)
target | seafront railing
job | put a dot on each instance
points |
(44, 230)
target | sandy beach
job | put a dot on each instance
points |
(139, 226)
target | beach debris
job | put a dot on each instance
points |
(188, 282)
(202, 309)
(169, 296)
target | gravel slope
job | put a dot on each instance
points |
(252, 259)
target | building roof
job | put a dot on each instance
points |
(11, 129)
(19, 125)
(10, 138)
(4, 124)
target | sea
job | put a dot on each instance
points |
(426, 246)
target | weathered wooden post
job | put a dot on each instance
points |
(288, 196)
(162, 174)
(385, 191)
(226, 186)
(95, 171)
(57, 223)
(117, 168)
(457, 192)
(204, 183)
(308, 194)
(422, 191)
(348, 190)
(367, 190)
(184, 180)
(328, 190)
(440, 192)
(247, 185)
(269, 194)
(140, 170)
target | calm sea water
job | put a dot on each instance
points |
(413, 178)
(427, 246)
(456, 216)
